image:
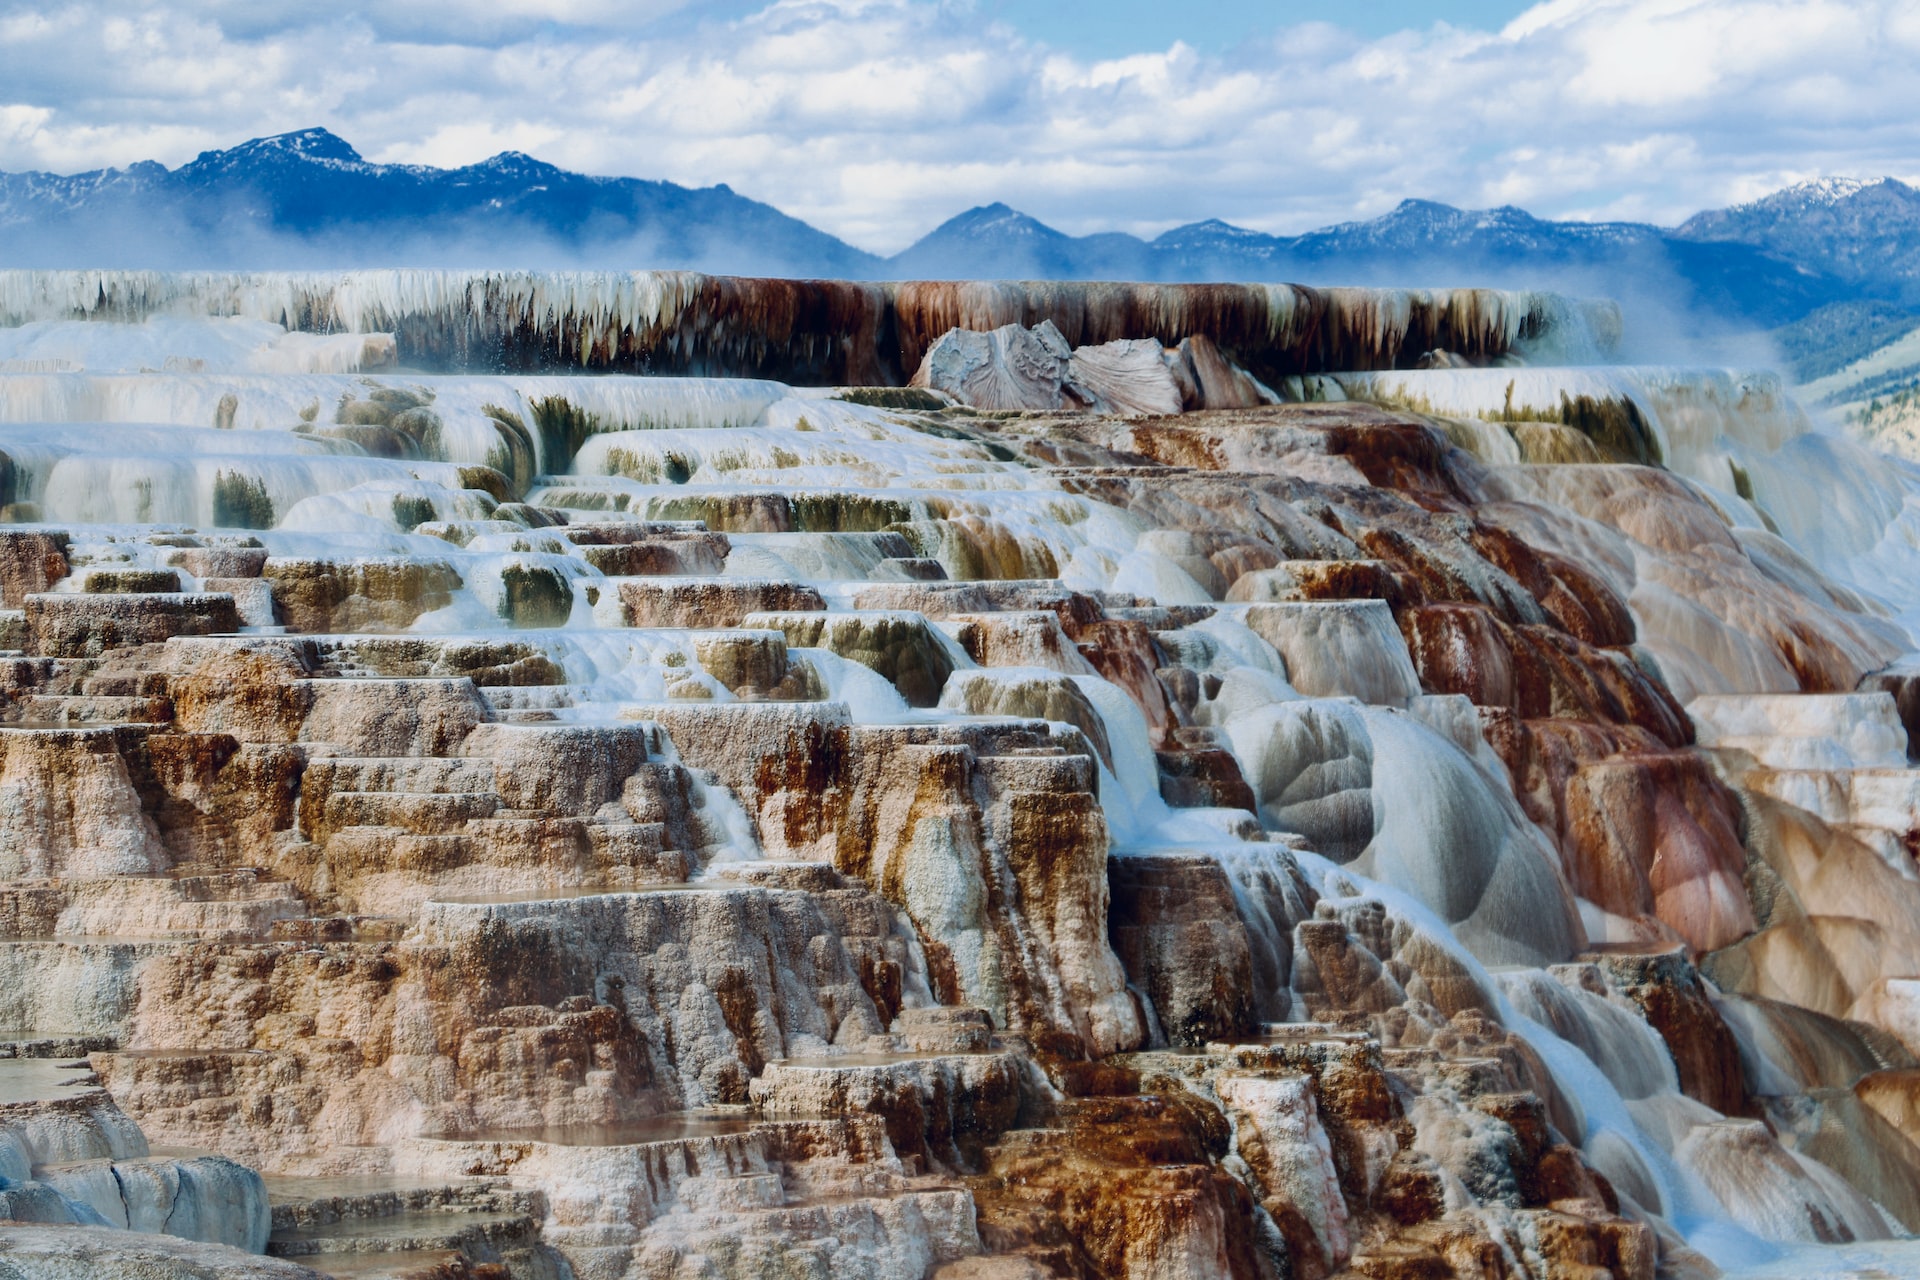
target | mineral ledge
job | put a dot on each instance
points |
(1262, 784)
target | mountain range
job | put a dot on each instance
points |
(308, 199)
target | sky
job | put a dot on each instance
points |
(1115, 28)
(878, 119)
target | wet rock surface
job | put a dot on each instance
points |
(667, 828)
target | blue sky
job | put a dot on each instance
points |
(878, 119)
(1113, 28)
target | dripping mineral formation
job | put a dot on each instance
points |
(1149, 781)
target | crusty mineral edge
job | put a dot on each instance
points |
(1300, 839)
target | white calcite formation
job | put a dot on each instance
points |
(1077, 817)
(1034, 369)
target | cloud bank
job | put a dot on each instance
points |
(876, 119)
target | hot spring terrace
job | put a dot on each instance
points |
(1206, 781)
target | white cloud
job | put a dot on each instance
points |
(876, 119)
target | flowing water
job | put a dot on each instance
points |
(185, 441)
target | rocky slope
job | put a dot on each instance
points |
(1455, 821)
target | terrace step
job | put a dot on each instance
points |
(481, 1236)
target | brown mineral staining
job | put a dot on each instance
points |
(900, 646)
(1676, 1004)
(1198, 773)
(708, 602)
(748, 663)
(1272, 332)
(84, 626)
(1174, 926)
(953, 920)
(1120, 1186)
(1317, 580)
(654, 556)
(131, 582)
(377, 594)
(1658, 834)
(29, 563)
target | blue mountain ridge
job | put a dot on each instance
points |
(308, 199)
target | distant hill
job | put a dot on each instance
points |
(308, 199)
(1419, 243)
(1865, 233)
(1824, 342)
(995, 241)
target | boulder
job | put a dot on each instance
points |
(1010, 368)
(1131, 377)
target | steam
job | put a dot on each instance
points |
(1667, 318)
(167, 240)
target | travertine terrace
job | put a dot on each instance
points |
(1209, 782)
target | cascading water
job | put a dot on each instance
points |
(592, 681)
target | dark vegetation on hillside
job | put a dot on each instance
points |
(1832, 337)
